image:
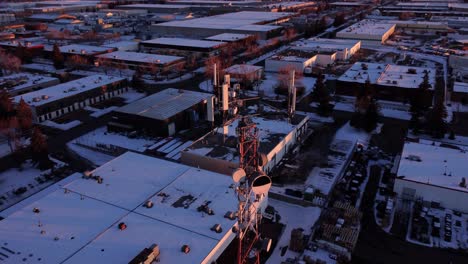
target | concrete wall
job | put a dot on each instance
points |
(448, 198)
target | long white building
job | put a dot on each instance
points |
(433, 171)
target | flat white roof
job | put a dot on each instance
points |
(228, 37)
(237, 20)
(164, 104)
(67, 89)
(368, 27)
(460, 87)
(326, 44)
(157, 6)
(25, 80)
(140, 57)
(119, 44)
(440, 165)
(387, 75)
(84, 215)
(83, 49)
(185, 42)
(242, 69)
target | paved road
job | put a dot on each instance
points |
(377, 247)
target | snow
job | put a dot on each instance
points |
(103, 137)
(95, 157)
(435, 161)
(80, 49)
(129, 169)
(268, 86)
(131, 96)
(349, 133)
(28, 81)
(80, 219)
(139, 57)
(228, 37)
(68, 89)
(141, 233)
(209, 186)
(64, 126)
(367, 27)
(293, 216)
(388, 109)
(4, 149)
(100, 112)
(184, 42)
(62, 215)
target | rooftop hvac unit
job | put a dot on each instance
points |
(185, 249)
(230, 215)
(36, 99)
(122, 226)
(225, 97)
(217, 228)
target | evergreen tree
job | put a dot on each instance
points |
(8, 121)
(419, 103)
(322, 95)
(436, 121)
(24, 116)
(371, 117)
(39, 149)
(137, 82)
(57, 57)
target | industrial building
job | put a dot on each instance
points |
(125, 45)
(217, 150)
(434, 172)
(299, 60)
(263, 24)
(21, 83)
(344, 48)
(84, 50)
(133, 60)
(183, 46)
(245, 72)
(158, 8)
(230, 37)
(58, 100)
(371, 31)
(131, 209)
(391, 82)
(164, 113)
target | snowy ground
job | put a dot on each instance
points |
(102, 136)
(388, 109)
(64, 126)
(292, 216)
(95, 157)
(4, 149)
(15, 178)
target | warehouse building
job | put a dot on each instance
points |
(299, 60)
(55, 101)
(217, 150)
(158, 8)
(391, 82)
(130, 209)
(370, 31)
(344, 48)
(133, 60)
(164, 113)
(183, 46)
(434, 172)
(263, 24)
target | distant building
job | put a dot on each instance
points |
(133, 60)
(56, 101)
(248, 72)
(164, 113)
(183, 46)
(459, 93)
(434, 172)
(344, 48)
(390, 82)
(217, 150)
(263, 24)
(132, 209)
(299, 60)
(21, 83)
(368, 31)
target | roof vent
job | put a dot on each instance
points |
(185, 249)
(36, 210)
(230, 215)
(122, 226)
(148, 204)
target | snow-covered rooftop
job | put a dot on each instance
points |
(67, 89)
(228, 37)
(20, 81)
(388, 74)
(184, 42)
(434, 163)
(326, 44)
(368, 27)
(165, 104)
(140, 57)
(84, 49)
(242, 69)
(236, 20)
(460, 87)
(154, 6)
(80, 220)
